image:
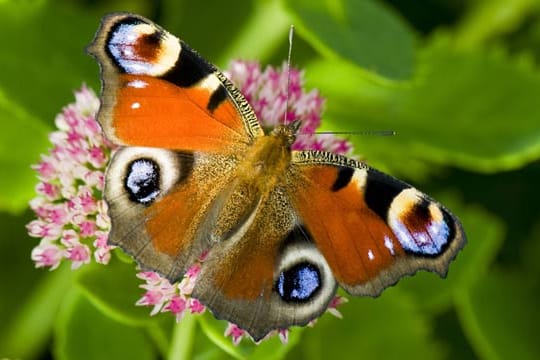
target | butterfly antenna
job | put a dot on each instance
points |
(287, 94)
(367, 132)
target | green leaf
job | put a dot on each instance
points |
(268, 349)
(388, 327)
(530, 250)
(214, 330)
(488, 19)
(83, 332)
(43, 58)
(22, 138)
(474, 109)
(484, 238)
(268, 21)
(206, 349)
(114, 289)
(26, 331)
(365, 33)
(274, 349)
(500, 317)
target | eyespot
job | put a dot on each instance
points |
(141, 175)
(138, 47)
(300, 283)
(142, 181)
(303, 280)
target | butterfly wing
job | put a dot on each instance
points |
(330, 220)
(371, 228)
(159, 201)
(268, 273)
(158, 92)
(181, 124)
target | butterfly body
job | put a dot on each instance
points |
(283, 228)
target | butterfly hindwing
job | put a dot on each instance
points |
(371, 228)
(268, 274)
(158, 92)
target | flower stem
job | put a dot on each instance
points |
(160, 338)
(182, 338)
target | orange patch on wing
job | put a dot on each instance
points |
(155, 113)
(171, 218)
(248, 274)
(352, 238)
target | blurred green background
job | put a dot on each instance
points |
(459, 80)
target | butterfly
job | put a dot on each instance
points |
(284, 229)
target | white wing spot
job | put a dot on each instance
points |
(138, 84)
(360, 178)
(210, 83)
(389, 245)
(370, 255)
(135, 105)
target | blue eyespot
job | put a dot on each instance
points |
(142, 181)
(299, 283)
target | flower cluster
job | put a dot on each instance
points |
(166, 297)
(266, 91)
(72, 220)
(237, 334)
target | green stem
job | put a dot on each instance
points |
(159, 337)
(32, 326)
(182, 338)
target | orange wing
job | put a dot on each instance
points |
(371, 228)
(158, 92)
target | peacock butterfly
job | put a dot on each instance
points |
(195, 171)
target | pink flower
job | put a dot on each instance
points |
(79, 254)
(235, 333)
(266, 91)
(177, 305)
(167, 297)
(47, 255)
(152, 298)
(283, 335)
(72, 220)
(334, 304)
(70, 214)
(195, 306)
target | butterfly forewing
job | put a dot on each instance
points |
(158, 92)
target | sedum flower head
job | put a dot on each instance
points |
(72, 220)
(266, 91)
(71, 215)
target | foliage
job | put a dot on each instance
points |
(459, 85)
